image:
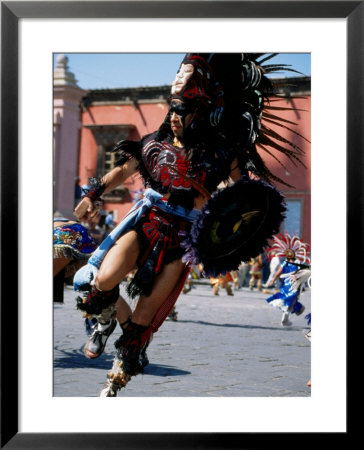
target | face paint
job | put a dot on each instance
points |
(290, 254)
(182, 110)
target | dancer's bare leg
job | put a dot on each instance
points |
(128, 362)
(119, 261)
(123, 310)
(147, 306)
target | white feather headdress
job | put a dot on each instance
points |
(284, 243)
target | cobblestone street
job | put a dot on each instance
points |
(231, 346)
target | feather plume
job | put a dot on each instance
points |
(297, 279)
(284, 241)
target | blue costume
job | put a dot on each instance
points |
(72, 241)
(287, 298)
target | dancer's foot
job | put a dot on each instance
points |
(285, 322)
(116, 378)
(173, 315)
(129, 348)
(132, 362)
(97, 341)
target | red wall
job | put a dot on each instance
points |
(297, 176)
(146, 118)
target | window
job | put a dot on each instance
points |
(106, 136)
(292, 223)
(110, 159)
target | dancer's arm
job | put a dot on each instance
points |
(277, 274)
(118, 175)
(86, 209)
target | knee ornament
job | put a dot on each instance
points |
(97, 300)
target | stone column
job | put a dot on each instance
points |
(66, 127)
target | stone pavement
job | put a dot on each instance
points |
(221, 346)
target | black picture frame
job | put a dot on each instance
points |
(11, 13)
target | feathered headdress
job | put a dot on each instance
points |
(232, 93)
(290, 247)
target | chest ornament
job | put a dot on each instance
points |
(167, 164)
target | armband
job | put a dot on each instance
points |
(96, 189)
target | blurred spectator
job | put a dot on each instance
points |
(109, 220)
(243, 271)
(256, 273)
(78, 191)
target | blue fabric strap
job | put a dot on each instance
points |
(151, 198)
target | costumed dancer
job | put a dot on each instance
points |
(256, 272)
(296, 257)
(210, 135)
(195, 274)
(298, 280)
(243, 273)
(274, 265)
(72, 247)
(235, 276)
(173, 315)
(222, 281)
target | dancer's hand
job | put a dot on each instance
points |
(85, 210)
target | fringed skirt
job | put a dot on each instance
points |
(160, 235)
(286, 300)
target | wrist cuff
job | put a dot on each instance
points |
(96, 189)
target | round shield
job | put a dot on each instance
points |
(235, 225)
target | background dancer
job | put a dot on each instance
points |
(274, 265)
(209, 136)
(222, 281)
(256, 272)
(72, 247)
(296, 256)
(297, 280)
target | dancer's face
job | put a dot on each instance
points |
(181, 117)
(290, 254)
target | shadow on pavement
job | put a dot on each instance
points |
(234, 325)
(63, 359)
(160, 370)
